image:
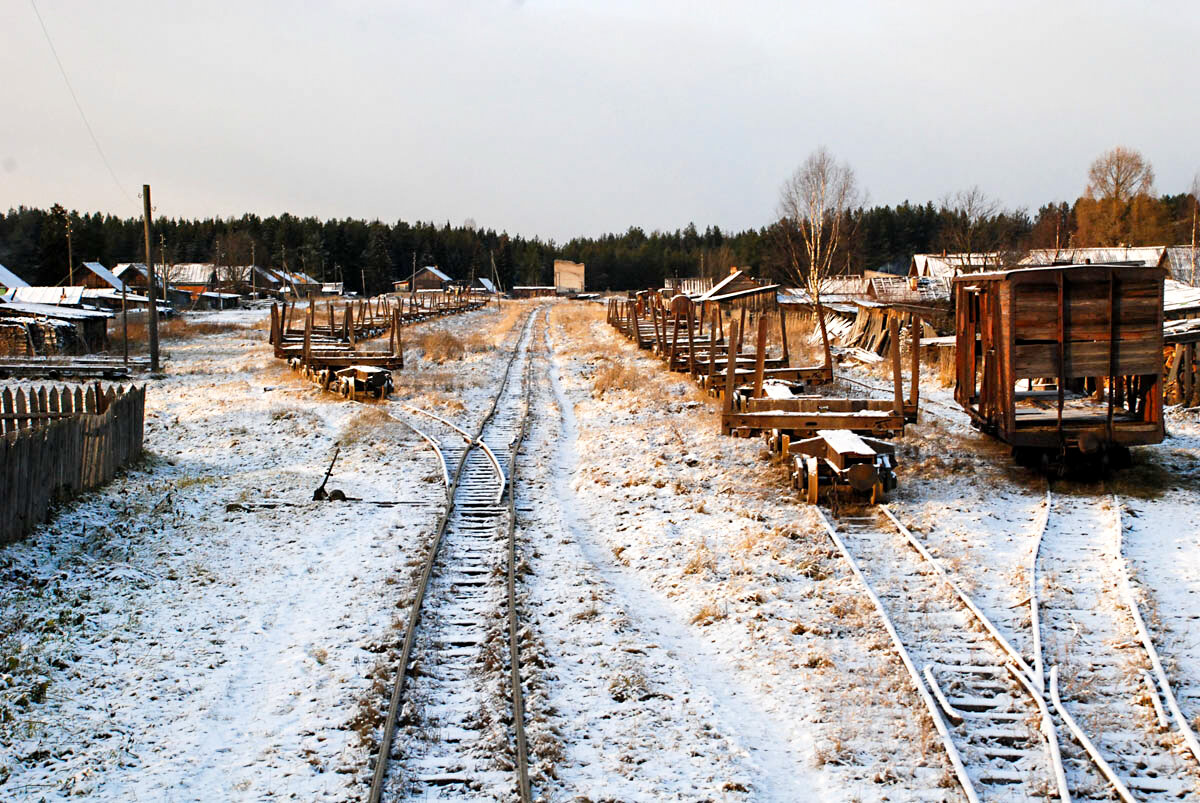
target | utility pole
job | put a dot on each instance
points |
(162, 257)
(363, 272)
(150, 276)
(253, 274)
(70, 257)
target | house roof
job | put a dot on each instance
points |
(436, 272)
(66, 296)
(10, 279)
(486, 284)
(941, 266)
(1151, 255)
(104, 273)
(112, 295)
(24, 310)
(124, 267)
(1179, 298)
(1181, 261)
(190, 273)
(736, 281)
(897, 290)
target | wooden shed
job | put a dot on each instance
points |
(1064, 359)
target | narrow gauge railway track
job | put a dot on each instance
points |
(993, 722)
(439, 684)
(1105, 676)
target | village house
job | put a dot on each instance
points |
(427, 278)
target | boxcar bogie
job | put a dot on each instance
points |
(1062, 363)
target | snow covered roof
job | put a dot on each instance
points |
(941, 266)
(737, 282)
(50, 311)
(190, 273)
(104, 273)
(1179, 297)
(10, 279)
(124, 267)
(1151, 255)
(1181, 261)
(898, 290)
(68, 296)
(113, 295)
(486, 284)
(434, 270)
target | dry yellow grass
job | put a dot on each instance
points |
(365, 425)
(617, 377)
(172, 329)
(440, 347)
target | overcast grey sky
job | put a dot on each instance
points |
(566, 118)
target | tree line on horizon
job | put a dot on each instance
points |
(1117, 208)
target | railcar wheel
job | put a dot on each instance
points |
(813, 479)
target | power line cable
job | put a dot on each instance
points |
(82, 116)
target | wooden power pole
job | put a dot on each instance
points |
(150, 276)
(70, 256)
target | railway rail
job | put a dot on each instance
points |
(977, 688)
(438, 686)
(1106, 679)
(1001, 712)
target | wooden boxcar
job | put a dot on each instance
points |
(1062, 361)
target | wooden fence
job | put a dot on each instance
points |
(56, 442)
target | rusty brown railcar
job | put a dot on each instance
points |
(1063, 361)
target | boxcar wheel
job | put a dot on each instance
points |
(813, 479)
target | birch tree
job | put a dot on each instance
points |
(815, 206)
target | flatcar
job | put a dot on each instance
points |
(1063, 363)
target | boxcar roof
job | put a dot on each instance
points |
(1032, 274)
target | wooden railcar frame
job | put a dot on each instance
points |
(1086, 339)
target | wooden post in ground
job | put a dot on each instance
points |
(691, 321)
(674, 340)
(741, 328)
(308, 322)
(760, 356)
(787, 359)
(898, 380)
(730, 382)
(124, 325)
(150, 276)
(915, 360)
(1188, 373)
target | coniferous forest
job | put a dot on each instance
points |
(33, 243)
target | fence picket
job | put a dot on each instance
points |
(60, 441)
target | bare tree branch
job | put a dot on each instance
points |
(814, 206)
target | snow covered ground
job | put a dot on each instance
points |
(201, 630)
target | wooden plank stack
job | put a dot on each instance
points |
(55, 442)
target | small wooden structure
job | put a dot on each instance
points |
(1062, 360)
